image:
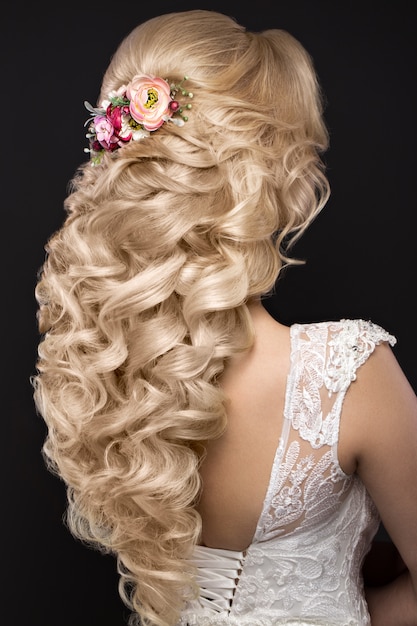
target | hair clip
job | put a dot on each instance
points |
(132, 112)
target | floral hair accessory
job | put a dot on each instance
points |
(133, 112)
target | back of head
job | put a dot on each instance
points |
(256, 112)
(233, 70)
(143, 294)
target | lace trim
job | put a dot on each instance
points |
(203, 619)
(349, 349)
(350, 343)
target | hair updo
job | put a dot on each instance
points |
(143, 295)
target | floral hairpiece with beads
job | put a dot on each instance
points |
(132, 112)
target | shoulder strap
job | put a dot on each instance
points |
(350, 344)
(326, 355)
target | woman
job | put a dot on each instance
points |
(236, 467)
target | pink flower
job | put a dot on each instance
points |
(104, 131)
(149, 101)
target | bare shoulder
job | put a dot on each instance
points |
(378, 441)
(380, 404)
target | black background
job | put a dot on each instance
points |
(360, 252)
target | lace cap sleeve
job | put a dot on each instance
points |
(351, 343)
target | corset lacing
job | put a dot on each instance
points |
(218, 575)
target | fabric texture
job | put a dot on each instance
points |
(303, 567)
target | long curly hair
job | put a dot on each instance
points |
(143, 294)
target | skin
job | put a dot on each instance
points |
(378, 440)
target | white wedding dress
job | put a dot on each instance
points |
(303, 567)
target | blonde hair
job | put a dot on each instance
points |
(143, 295)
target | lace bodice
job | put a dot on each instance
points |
(303, 566)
